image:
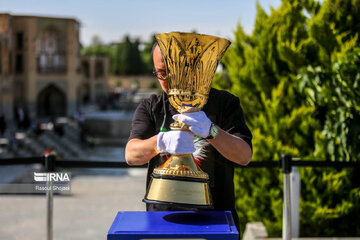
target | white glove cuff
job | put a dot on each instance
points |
(160, 146)
(175, 142)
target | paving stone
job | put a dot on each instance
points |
(85, 214)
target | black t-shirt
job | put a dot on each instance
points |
(223, 109)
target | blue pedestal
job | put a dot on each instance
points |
(211, 225)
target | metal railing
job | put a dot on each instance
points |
(286, 162)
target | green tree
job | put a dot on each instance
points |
(127, 58)
(96, 48)
(147, 56)
(298, 81)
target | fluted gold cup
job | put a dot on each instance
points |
(191, 61)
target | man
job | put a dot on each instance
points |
(222, 138)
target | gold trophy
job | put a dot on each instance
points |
(191, 61)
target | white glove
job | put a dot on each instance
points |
(175, 142)
(198, 121)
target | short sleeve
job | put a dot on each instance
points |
(142, 123)
(233, 120)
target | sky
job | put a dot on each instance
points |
(111, 20)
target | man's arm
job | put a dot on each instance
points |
(139, 152)
(232, 147)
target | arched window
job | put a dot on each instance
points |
(51, 51)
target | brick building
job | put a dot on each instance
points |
(41, 67)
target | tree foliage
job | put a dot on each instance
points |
(297, 76)
(126, 58)
(146, 54)
(96, 48)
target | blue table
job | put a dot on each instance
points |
(210, 225)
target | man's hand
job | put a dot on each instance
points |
(230, 146)
(198, 121)
(175, 142)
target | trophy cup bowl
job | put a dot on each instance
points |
(191, 61)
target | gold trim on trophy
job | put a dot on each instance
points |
(176, 167)
(191, 61)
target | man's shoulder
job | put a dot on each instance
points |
(151, 102)
(154, 98)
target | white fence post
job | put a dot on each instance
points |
(286, 169)
(50, 167)
(295, 202)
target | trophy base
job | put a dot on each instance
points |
(178, 191)
(179, 206)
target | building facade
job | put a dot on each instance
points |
(40, 66)
(94, 80)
